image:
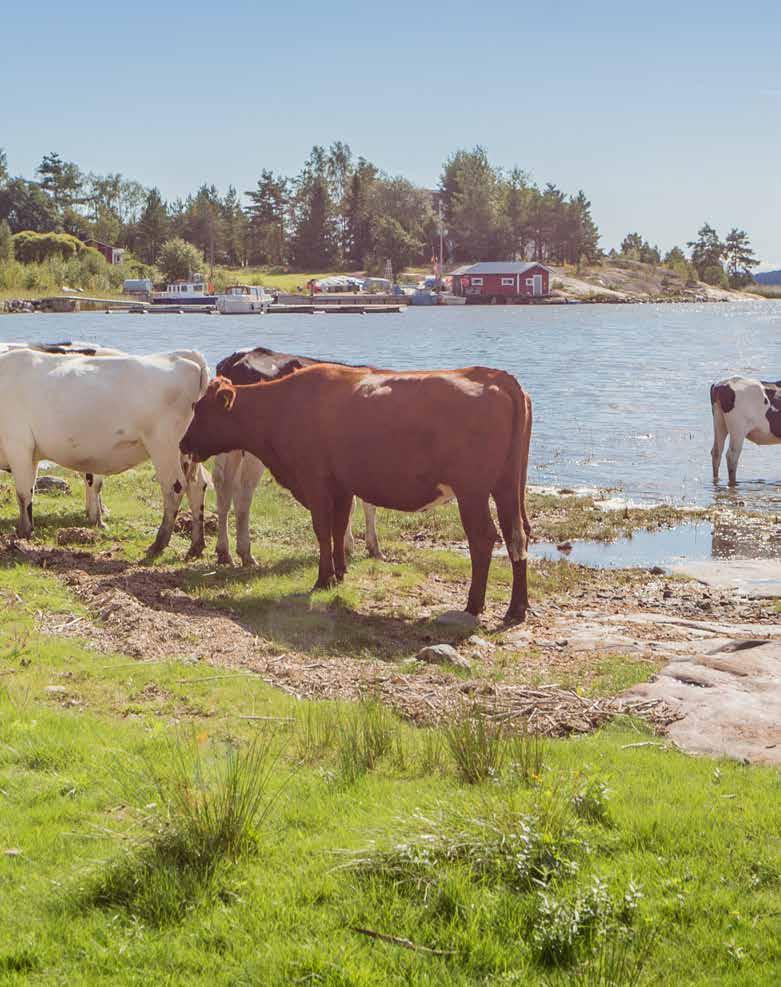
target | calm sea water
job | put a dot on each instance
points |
(620, 392)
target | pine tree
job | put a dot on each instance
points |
(153, 227)
(707, 251)
(266, 215)
(740, 258)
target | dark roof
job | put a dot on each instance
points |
(499, 267)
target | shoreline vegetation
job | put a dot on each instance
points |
(340, 214)
(610, 281)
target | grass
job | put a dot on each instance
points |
(151, 827)
(127, 853)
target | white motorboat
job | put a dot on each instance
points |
(243, 299)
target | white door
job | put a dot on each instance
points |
(537, 285)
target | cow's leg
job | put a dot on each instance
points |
(372, 541)
(250, 472)
(322, 521)
(92, 487)
(481, 535)
(197, 484)
(719, 437)
(24, 468)
(342, 510)
(172, 482)
(349, 541)
(506, 508)
(736, 440)
(226, 466)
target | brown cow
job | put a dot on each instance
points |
(400, 440)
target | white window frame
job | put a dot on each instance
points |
(477, 282)
(530, 282)
(508, 282)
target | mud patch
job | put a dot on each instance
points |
(77, 536)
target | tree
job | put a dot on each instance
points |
(631, 246)
(314, 244)
(152, 228)
(740, 258)
(358, 213)
(234, 229)
(61, 179)
(4, 175)
(25, 206)
(514, 210)
(471, 194)
(707, 250)
(266, 233)
(179, 259)
(6, 242)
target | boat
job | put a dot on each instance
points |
(194, 291)
(243, 299)
(446, 298)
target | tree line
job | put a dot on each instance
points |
(338, 211)
(726, 263)
(342, 212)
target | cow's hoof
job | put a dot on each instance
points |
(515, 616)
(375, 553)
(154, 550)
(329, 583)
(224, 558)
(195, 551)
(248, 561)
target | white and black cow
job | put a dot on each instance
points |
(93, 483)
(237, 474)
(102, 415)
(743, 408)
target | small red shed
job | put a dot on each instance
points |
(112, 254)
(502, 281)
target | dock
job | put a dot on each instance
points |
(334, 309)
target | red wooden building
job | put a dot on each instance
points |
(502, 281)
(112, 254)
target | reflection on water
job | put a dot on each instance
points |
(698, 541)
(620, 392)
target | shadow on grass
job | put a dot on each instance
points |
(273, 600)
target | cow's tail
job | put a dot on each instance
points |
(518, 469)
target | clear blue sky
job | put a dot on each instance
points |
(666, 114)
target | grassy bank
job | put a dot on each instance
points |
(168, 821)
(165, 818)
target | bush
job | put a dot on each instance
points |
(716, 275)
(31, 247)
(179, 259)
(6, 243)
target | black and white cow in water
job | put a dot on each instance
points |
(743, 408)
(237, 474)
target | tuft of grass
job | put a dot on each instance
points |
(477, 745)
(527, 754)
(208, 814)
(365, 735)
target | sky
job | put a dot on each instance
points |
(665, 114)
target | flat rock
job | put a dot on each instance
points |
(758, 579)
(479, 642)
(51, 484)
(459, 619)
(729, 695)
(443, 654)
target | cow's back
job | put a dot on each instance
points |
(97, 414)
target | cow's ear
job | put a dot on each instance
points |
(228, 396)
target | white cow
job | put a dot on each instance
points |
(92, 483)
(743, 408)
(102, 415)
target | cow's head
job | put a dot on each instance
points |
(212, 428)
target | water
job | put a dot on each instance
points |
(620, 391)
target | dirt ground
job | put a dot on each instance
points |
(516, 672)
